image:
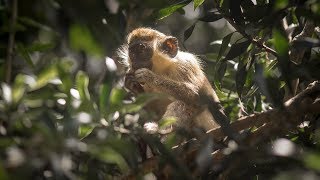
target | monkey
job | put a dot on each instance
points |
(157, 65)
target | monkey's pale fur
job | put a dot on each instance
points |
(180, 77)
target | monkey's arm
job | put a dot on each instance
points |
(183, 91)
(187, 92)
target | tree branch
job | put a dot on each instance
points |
(12, 32)
(270, 124)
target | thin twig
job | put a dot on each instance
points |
(244, 34)
(12, 32)
(254, 41)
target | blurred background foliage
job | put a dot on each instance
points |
(64, 115)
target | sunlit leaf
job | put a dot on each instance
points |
(82, 82)
(116, 96)
(64, 68)
(18, 88)
(280, 4)
(165, 12)
(81, 39)
(85, 130)
(45, 76)
(280, 43)
(197, 3)
(167, 122)
(104, 95)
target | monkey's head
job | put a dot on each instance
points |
(143, 43)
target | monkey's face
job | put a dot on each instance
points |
(144, 42)
(140, 54)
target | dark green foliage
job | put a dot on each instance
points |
(63, 114)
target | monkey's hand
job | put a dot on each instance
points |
(132, 84)
(145, 77)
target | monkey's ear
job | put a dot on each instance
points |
(170, 46)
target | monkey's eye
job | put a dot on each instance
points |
(141, 46)
(138, 48)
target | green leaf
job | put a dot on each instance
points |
(224, 4)
(3, 173)
(64, 68)
(109, 155)
(221, 70)
(312, 160)
(117, 95)
(280, 43)
(167, 122)
(40, 47)
(187, 33)
(280, 4)
(269, 86)
(85, 130)
(237, 49)
(105, 90)
(82, 82)
(165, 12)
(197, 3)
(45, 76)
(18, 88)
(241, 75)
(81, 39)
(224, 44)
(25, 54)
(33, 23)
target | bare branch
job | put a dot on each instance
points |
(12, 32)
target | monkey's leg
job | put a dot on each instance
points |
(183, 114)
